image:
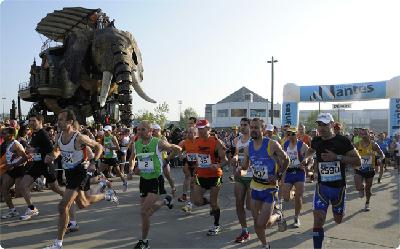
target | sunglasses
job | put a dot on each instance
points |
(291, 134)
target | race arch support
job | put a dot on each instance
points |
(389, 89)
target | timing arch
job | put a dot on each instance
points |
(389, 89)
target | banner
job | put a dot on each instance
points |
(346, 92)
(394, 117)
(289, 113)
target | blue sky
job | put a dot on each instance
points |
(201, 51)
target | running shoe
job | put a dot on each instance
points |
(125, 186)
(188, 207)
(168, 201)
(214, 230)
(183, 198)
(242, 237)
(72, 228)
(11, 213)
(366, 208)
(142, 245)
(55, 245)
(111, 196)
(296, 223)
(282, 226)
(29, 214)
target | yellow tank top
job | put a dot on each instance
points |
(367, 156)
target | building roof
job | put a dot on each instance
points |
(238, 96)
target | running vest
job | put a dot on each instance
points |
(367, 157)
(70, 157)
(124, 144)
(262, 165)
(108, 142)
(240, 146)
(207, 155)
(295, 155)
(149, 158)
(11, 157)
(189, 147)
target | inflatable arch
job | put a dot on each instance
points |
(345, 92)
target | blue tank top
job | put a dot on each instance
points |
(262, 165)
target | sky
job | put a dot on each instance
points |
(199, 52)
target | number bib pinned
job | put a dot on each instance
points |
(204, 160)
(67, 159)
(293, 159)
(191, 157)
(330, 171)
(366, 163)
(145, 162)
(37, 157)
(260, 172)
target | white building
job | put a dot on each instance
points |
(242, 103)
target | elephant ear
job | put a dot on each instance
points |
(76, 48)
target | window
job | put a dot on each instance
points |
(238, 112)
(222, 113)
(277, 113)
(258, 113)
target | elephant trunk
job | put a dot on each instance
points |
(105, 87)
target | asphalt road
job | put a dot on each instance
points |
(106, 226)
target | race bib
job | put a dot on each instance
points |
(204, 160)
(293, 159)
(145, 162)
(260, 172)
(366, 163)
(124, 149)
(246, 173)
(330, 171)
(67, 160)
(37, 157)
(191, 157)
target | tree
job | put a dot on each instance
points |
(159, 115)
(184, 118)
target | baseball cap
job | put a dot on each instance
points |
(107, 128)
(292, 129)
(325, 118)
(202, 123)
(155, 127)
(270, 127)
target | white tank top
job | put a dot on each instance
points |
(11, 157)
(70, 157)
(293, 154)
(240, 146)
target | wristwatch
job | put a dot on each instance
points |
(339, 157)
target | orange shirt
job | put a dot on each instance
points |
(306, 139)
(207, 147)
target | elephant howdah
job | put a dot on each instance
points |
(92, 72)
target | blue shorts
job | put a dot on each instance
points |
(295, 176)
(267, 195)
(324, 194)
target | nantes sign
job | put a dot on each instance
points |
(358, 91)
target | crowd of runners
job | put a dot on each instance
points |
(268, 166)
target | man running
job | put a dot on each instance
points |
(147, 149)
(15, 160)
(111, 145)
(242, 179)
(367, 150)
(333, 153)
(210, 153)
(262, 156)
(39, 146)
(71, 144)
(295, 175)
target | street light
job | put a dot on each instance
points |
(272, 61)
(180, 109)
(4, 100)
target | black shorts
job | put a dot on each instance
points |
(35, 170)
(208, 182)
(232, 151)
(110, 161)
(16, 172)
(77, 179)
(368, 174)
(155, 186)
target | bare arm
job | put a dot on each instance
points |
(20, 151)
(173, 149)
(54, 154)
(85, 140)
(221, 152)
(378, 150)
(116, 144)
(283, 157)
(132, 159)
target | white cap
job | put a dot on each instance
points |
(325, 117)
(107, 128)
(155, 127)
(270, 127)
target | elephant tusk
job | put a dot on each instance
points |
(105, 87)
(136, 79)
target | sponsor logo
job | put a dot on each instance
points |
(288, 114)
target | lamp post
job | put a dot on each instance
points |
(180, 109)
(272, 61)
(3, 99)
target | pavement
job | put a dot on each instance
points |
(105, 226)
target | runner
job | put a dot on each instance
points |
(110, 144)
(75, 170)
(189, 164)
(147, 150)
(333, 153)
(210, 153)
(261, 156)
(39, 146)
(15, 160)
(242, 179)
(295, 174)
(367, 149)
